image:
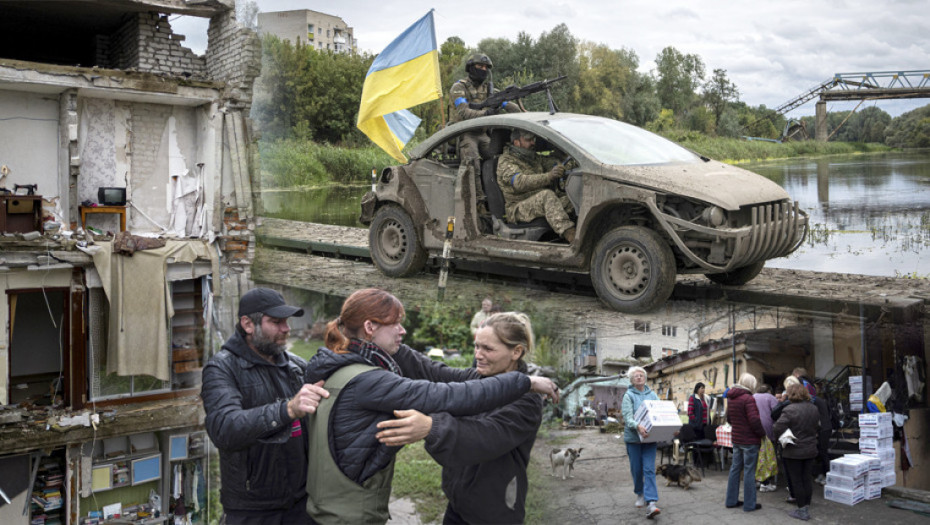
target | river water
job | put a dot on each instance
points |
(870, 214)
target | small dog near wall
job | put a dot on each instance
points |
(680, 474)
(565, 458)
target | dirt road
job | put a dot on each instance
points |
(602, 493)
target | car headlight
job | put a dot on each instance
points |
(714, 216)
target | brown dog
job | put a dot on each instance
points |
(680, 474)
(564, 458)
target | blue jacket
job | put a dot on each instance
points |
(372, 397)
(628, 406)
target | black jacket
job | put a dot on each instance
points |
(262, 466)
(372, 397)
(804, 421)
(484, 455)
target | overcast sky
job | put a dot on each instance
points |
(773, 50)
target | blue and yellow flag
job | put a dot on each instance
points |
(404, 75)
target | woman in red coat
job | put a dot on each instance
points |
(743, 416)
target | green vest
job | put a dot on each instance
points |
(334, 498)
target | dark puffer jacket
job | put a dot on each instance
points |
(743, 416)
(372, 397)
(803, 419)
(262, 465)
(484, 457)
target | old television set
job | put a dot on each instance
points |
(111, 196)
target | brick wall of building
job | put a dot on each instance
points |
(233, 56)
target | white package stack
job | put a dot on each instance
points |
(875, 441)
(856, 388)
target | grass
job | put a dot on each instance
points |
(305, 349)
(418, 477)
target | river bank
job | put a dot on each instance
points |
(293, 164)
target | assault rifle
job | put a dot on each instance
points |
(514, 92)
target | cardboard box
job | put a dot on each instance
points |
(660, 418)
(874, 419)
(872, 445)
(844, 482)
(875, 464)
(846, 497)
(886, 455)
(881, 431)
(873, 491)
(850, 465)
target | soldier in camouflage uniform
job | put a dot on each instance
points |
(524, 180)
(477, 87)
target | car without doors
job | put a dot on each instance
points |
(645, 209)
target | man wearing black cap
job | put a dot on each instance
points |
(256, 405)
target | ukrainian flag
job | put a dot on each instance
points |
(404, 75)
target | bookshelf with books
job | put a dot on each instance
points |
(47, 501)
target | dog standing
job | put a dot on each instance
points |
(564, 458)
(680, 474)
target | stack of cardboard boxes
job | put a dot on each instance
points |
(875, 441)
(846, 479)
(858, 386)
(856, 477)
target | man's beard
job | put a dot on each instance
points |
(265, 345)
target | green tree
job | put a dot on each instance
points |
(679, 77)
(309, 94)
(604, 79)
(910, 130)
(641, 104)
(719, 91)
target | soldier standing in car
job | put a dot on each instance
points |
(476, 88)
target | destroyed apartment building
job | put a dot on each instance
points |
(126, 184)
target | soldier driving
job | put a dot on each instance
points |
(524, 180)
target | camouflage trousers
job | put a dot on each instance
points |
(472, 148)
(544, 203)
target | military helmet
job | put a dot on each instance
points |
(479, 58)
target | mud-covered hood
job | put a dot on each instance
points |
(713, 182)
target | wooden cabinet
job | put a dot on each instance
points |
(20, 213)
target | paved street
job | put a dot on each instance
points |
(602, 493)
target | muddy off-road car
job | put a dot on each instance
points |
(646, 209)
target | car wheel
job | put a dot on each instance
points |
(633, 269)
(394, 244)
(737, 277)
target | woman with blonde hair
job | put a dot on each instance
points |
(743, 416)
(350, 471)
(484, 457)
(802, 418)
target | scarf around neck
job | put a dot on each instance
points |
(374, 355)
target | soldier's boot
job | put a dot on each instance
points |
(569, 235)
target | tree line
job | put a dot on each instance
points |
(308, 94)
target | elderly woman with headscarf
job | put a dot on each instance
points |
(743, 416)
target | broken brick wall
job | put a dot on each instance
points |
(145, 42)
